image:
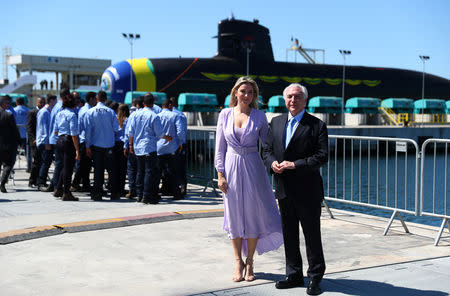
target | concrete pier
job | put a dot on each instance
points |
(50, 247)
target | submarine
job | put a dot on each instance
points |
(242, 43)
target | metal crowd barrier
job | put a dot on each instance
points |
(433, 201)
(200, 157)
(374, 172)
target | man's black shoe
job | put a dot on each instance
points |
(32, 184)
(96, 197)
(313, 288)
(85, 189)
(3, 189)
(290, 282)
(75, 188)
(152, 201)
(48, 189)
(115, 196)
(58, 193)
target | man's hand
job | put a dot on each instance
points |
(276, 167)
(168, 138)
(89, 152)
(125, 152)
(77, 154)
(131, 149)
(280, 167)
(34, 143)
(287, 165)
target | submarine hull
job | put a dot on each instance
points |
(243, 43)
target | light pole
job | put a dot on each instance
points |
(343, 52)
(424, 59)
(247, 45)
(131, 37)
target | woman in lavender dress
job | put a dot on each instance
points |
(251, 216)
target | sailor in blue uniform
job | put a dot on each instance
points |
(120, 162)
(180, 155)
(65, 93)
(66, 128)
(131, 157)
(145, 130)
(166, 150)
(21, 120)
(43, 141)
(101, 124)
(85, 164)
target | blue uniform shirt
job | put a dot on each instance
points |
(182, 121)
(156, 108)
(101, 124)
(130, 119)
(21, 118)
(43, 127)
(145, 129)
(66, 123)
(168, 119)
(55, 110)
(81, 121)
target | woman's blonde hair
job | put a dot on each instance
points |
(239, 82)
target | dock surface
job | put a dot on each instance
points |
(50, 247)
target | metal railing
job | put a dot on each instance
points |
(434, 202)
(371, 172)
(374, 172)
(200, 157)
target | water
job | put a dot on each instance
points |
(378, 180)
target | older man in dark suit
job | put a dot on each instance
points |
(296, 147)
(9, 140)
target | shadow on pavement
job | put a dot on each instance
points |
(11, 200)
(373, 288)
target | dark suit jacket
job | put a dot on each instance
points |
(31, 125)
(308, 149)
(9, 134)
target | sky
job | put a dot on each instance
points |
(379, 33)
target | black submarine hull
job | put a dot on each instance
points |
(243, 43)
(218, 75)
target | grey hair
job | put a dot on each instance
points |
(301, 87)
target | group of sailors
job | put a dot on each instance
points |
(145, 142)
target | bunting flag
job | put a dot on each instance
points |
(353, 81)
(312, 81)
(333, 81)
(291, 79)
(371, 83)
(217, 77)
(269, 79)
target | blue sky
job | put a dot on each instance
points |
(378, 32)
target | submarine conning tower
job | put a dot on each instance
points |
(235, 36)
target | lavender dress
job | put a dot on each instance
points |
(250, 207)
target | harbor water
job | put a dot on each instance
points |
(385, 180)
